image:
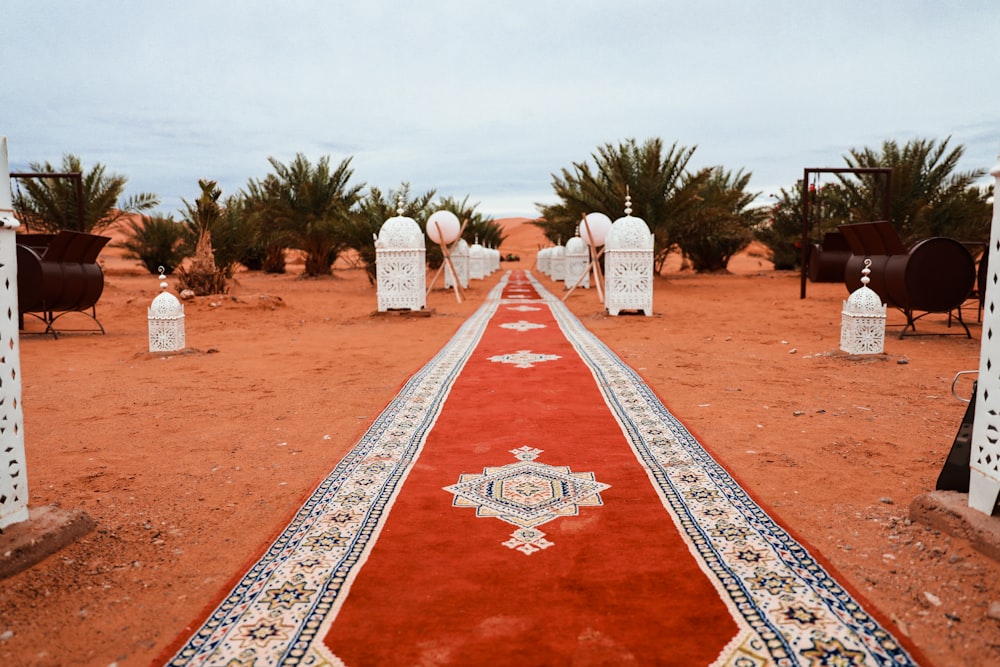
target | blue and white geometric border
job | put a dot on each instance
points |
(279, 612)
(791, 611)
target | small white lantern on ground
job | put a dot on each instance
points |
(166, 321)
(628, 265)
(862, 320)
(460, 260)
(477, 261)
(557, 263)
(400, 264)
(576, 263)
(543, 260)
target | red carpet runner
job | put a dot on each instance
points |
(526, 500)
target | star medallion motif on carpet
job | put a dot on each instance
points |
(652, 554)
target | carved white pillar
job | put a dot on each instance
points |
(400, 264)
(13, 476)
(628, 265)
(984, 463)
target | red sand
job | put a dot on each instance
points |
(190, 463)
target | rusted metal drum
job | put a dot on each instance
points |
(59, 272)
(828, 259)
(935, 276)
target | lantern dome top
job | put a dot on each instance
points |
(400, 232)
(476, 250)
(864, 300)
(166, 307)
(628, 232)
(576, 246)
(461, 248)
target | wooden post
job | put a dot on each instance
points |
(459, 293)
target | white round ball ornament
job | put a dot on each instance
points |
(598, 225)
(443, 227)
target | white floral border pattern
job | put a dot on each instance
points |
(794, 611)
(279, 611)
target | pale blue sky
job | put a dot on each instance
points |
(487, 99)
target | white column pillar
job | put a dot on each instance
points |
(984, 463)
(13, 476)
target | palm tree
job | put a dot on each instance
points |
(929, 197)
(721, 222)
(266, 242)
(661, 194)
(156, 241)
(312, 205)
(203, 276)
(50, 204)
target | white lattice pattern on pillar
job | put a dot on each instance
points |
(401, 279)
(984, 462)
(13, 475)
(628, 281)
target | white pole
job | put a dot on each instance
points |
(13, 476)
(984, 462)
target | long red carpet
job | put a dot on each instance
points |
(527, 500)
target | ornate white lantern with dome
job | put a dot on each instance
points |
(460, 260)
(628, 265)
(862, 320)
(477, 261)
(557, 262)
(400, 264)
(543, 260)
(166, 321)
(576, 263)
(494, 260)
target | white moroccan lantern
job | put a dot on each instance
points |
(576, 265)
(557, 262)
(862, 320)
(543, 260)
(400, 264)
(984, 461)
(13, 473)
(628, 265)
(166, 321)
(494, 259)
(443, 227)
(460, 260)
(477, 261)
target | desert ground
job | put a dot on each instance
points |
(189, 463)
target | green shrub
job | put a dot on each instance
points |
(156, 240)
